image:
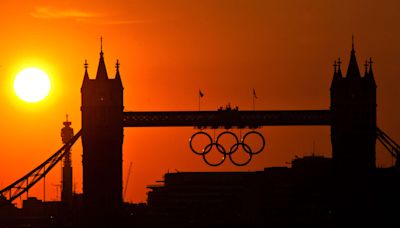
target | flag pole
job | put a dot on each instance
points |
(201, 94)
(254, 106)
(199, 101)
(254, 97)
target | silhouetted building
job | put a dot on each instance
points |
(204, 198)
(311, 193)
(102, 136)
(353, 106)
(8, 213)
(32, 207)
(66, 135)
(277, 196)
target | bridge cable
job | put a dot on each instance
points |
(390, 145)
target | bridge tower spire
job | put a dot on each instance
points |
(101, 69)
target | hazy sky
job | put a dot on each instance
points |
(168, 50)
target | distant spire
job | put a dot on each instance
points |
(353, 71)
(101, 70)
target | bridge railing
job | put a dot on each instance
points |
(226, 118)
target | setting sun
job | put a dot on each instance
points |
(32, 85)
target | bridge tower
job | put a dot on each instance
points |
(66, 135)
(353, 106)
(102, 137)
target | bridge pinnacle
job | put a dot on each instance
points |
(366, 68)
(101, 70)
(86, 76)
(117, 65)
(353, 70)
(370, 63)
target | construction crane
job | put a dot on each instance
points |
(127, 180)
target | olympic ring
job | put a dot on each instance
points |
(262, 145)
(234, 136)
(218, 146)
(247, 161)
(222, 150)
(204, 151)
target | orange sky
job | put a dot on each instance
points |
(170, 49)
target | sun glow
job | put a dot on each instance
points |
(32, 85)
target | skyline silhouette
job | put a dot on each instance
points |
(340, 201)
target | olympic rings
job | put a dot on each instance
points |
(262, 145)
(223, 151)
(219, 149)
(234, 136)
(204, 151)
(250, 154)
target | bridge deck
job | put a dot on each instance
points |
(226, 118)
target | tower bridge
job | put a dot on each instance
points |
(351, 116)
